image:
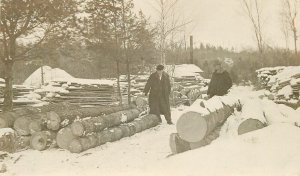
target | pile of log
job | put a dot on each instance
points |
(187, 95)
(59, 124)
(201, 123)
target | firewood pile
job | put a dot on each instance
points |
(70, 127)
(282, 83)
(79, 93)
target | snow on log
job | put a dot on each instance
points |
(7, 140)
(81, 144)
(63, 118)
(198, 121)
(252, 116)
(279, 113)
(96, 124)
(43, 140)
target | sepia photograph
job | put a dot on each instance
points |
(149, 88)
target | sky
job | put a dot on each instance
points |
(223, 22)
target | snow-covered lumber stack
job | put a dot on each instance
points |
(283, 84)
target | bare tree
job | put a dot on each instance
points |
(289, 14)
(168, 24)
(22, 19)
(253, 11)
(285, 31)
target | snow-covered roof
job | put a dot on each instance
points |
(184, 70)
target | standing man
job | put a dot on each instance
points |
(159, 86)
(220, 81)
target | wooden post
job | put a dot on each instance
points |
(191, 50)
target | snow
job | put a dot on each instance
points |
(50, 74)
(273, 150)
(184, 70)
(4, 131)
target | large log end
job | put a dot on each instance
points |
(77, 128)
(54, 120)
(191, 127)
(38, 141)
(249, 125)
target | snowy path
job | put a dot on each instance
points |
(273, 150)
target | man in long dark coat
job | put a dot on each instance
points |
(220, 81)
(159, 86)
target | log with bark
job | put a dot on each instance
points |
(29, 124)
(252, 116)
(97, 124)
(63, 118)
(203, 117)
(179, 145)
(43, 140)
(64, 137)
(11, 142)
(81, 144)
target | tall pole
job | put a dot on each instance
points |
(191, 50)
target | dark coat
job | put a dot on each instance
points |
(219, 84)
(159, 93)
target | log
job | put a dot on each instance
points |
(203, 117)
(43, 140)
(7, 140)
(96, 124)
(252, 117)
(7, 119)
(23, 127)
(273, 114)
(179, 145)
(80, 144)
(65, 117)
(141, 102)
(64, 137)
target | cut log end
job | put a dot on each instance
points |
(54, 120)
(249, 125)
(34, 127)
(38, 141)
(64, 137)
(3, 123)
(21, 126)
(192, 127)
(77, 129)
(75, 146)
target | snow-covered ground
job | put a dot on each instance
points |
(273, 150)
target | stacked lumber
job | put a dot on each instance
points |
(22, 96)
(79, 93)
(283, 84)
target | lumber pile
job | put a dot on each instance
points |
(83, 92)
(282, 84)
(23, 96)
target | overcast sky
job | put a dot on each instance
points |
(222, 22)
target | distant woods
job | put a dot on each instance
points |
(94, 35)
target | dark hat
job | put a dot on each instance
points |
(160, 67)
